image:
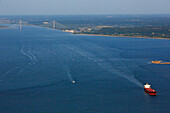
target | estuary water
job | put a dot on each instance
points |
(38, 67)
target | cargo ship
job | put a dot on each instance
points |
(149, 90)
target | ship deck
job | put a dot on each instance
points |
(150, 90)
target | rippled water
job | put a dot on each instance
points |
(38, 67)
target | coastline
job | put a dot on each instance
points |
(3, 27)
(120, 36)
(100, 35)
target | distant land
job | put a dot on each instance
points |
(140, 32)
(2, 27)
(141, 26)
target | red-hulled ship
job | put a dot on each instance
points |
(149, 90)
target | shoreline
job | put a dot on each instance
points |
(119, 36)
(4, 27)
(101, 35)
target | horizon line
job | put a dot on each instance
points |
(75, 14)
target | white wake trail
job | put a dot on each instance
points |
(108, 66)
(34, 58)
(9, 71)
(70, 76)
(29, 54)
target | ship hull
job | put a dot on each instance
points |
(150, 92)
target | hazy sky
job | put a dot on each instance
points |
(34, 7)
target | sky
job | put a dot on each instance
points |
(71, 7)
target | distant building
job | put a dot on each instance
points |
(71, 31)
(45, 23)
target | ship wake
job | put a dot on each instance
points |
(29, 54)
(118, 68)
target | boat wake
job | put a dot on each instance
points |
(29, 54)
(19, 69)
(70, 76)
(10, 71)
(118, 68)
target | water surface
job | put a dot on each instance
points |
(38, 65)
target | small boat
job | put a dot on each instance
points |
(149, 90)
(73, 82)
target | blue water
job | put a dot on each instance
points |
(38, 67)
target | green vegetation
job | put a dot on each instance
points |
(154, 32)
